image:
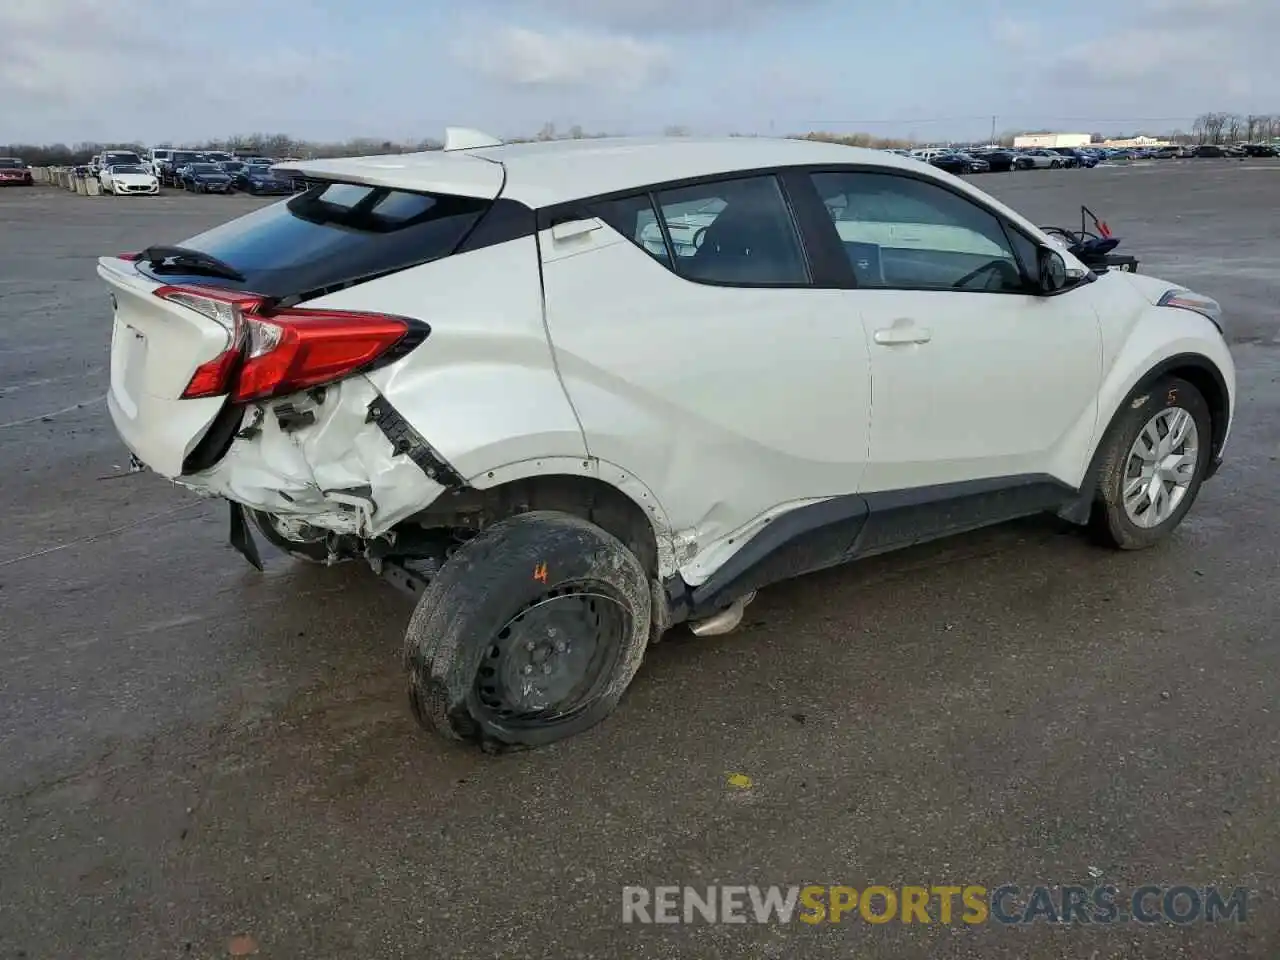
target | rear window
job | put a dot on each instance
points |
(332, 235)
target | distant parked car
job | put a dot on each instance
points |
(14, 173)
(928, 153)
(1003, 161)
(177, 160)
(202, 177)
(1209, 151)
(1082, 157)
(1045, 159)
(257, 179)
(158, 157)
(127, 178)
(110, 157)
(960, 163)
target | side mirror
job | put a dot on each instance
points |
(1053, 270)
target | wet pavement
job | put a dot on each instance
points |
(198, 760)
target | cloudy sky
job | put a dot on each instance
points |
(147, 70)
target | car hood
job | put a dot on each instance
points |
(134, 178)
(211, 176)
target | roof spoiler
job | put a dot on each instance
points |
(465, 138)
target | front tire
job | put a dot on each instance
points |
(529, 634)
(1154, 460)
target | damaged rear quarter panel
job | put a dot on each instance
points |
(483, 388)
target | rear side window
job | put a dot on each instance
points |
(333, 235)
(635, 219)
(735, 232)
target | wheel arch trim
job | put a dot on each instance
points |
(611, 475)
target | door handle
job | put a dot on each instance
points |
(903, 333)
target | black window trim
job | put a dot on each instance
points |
(829, 267)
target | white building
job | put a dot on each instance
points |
(1136, 142)
(1052, 140)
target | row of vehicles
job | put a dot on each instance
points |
(124, 172)
(967, 160)
(217, 171)
(962, 161)
(1210, 151)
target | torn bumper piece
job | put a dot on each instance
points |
(241, 538)
(341, 459)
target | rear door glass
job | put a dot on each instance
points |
(332, 235)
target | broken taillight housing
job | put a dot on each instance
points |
(271, 352)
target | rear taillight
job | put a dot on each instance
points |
(275, 352)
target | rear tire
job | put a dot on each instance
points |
(529, 634)
(312, 549)
(1127, 462)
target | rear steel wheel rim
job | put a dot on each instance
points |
(554, 658)
(1160, 467)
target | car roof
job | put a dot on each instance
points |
(543, 174)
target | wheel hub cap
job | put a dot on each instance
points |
(1160, 467)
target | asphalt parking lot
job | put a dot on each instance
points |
(194, 752)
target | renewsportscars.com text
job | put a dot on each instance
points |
(970, 904)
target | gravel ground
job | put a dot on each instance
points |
(199, 760)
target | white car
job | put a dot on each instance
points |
(929, 153)
(128, 178)
(570, 394)
(1044, 159)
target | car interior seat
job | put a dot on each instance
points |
(747, 243)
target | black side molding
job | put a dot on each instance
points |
(801, 541)
(901, 518)
(846, 528)
(406, 440)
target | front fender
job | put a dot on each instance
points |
(1164, 339)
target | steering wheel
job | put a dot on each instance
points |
(998, 265)
(698, 237)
